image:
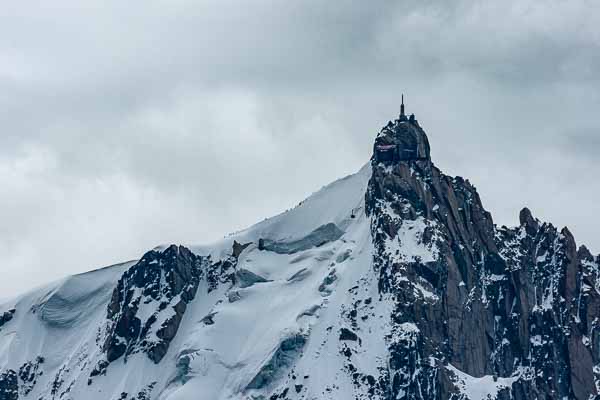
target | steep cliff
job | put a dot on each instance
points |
(511, 303)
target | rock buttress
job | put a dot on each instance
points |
(149, 302)
(519, 303)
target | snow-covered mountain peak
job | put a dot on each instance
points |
(392, 283)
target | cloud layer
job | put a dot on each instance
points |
(126, 126)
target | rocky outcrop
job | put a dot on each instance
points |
(520, 303)
(29, 374)
(151, 298)
(238, 248)
(21, 382)
(6, 316)
(9, 385)
(149, 302)
(554, 288)
(402, 139)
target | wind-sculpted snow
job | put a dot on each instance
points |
(390, 284)
(246, 329)
(245, 278)
(283, 358)
(323, 234)
(70, 304)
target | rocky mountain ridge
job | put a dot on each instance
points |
(514, 303)
(393, 283)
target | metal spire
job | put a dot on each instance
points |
(402, 106)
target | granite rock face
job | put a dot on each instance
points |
(20, 383)
(6, 316)
(9, 385)
(520, 304)
(401, 140)
(150, 300)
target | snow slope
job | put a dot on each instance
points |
(303, 298)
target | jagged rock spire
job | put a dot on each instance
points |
(401, 140)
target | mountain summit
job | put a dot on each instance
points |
(392, 283)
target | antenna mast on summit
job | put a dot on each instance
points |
(402, 106)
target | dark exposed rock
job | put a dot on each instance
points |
(9, 385)
(166, 281)
(183, 369)
(100, 368)
(209, 319)
(220, 272)
(145, 393)
(324, 287)
(526, 219)
(59, 380)
(323, 234)
(237, 248)
(490, 301)
(159, 287)
(347, 334)
(28, 374)
(401, 140)
(6, 316)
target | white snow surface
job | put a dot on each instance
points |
(483, 388)
(333, 203)
(61, 321)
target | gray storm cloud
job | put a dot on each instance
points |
(125, 126)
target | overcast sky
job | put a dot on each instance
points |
(129, 124)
